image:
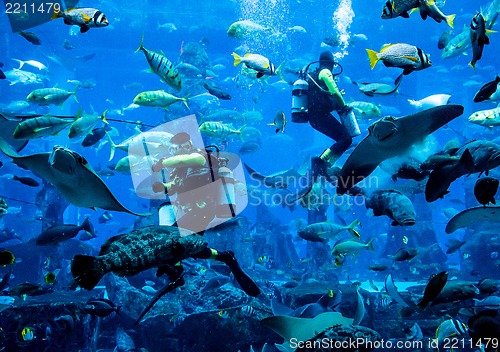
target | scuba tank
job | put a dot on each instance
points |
(300, 92)
(300, 101)
(225, 199)
(349, 121)
(226, 205)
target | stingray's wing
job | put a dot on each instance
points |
(255, 175)
(37, 163)
(471, 216)
(93, 192)
(304, 329)
(417, 126)
(390, 137)
(7, 127)
(361, 163)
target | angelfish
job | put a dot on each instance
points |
(279, 122)
(478, 38)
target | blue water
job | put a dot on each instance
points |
(115, 65)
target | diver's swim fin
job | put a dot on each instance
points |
(243, 279)
(172, 285)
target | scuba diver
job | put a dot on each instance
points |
(323, 97)
(193, 169)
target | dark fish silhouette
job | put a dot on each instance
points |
(135, 251)
(60, 233)
(433, 289)
(485, 190)
(487, 90)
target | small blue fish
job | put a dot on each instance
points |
(249, 311)
(223, 314)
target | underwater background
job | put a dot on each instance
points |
(43, 309)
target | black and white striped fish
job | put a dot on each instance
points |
(162, 66)
(85, 18)
(249, 311)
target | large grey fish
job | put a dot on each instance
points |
(41, 126)
(486, 155)
(442, 177)
(71, 175)
(394, 204)
(59, 233)
(135, 251)
(390, 137)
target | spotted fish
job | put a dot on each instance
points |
(133, 252)
(162, 66)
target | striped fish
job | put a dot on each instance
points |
(158, 98)
(40, 127)
(405, 56)
(450, 328)
(49, 96)
(219, 129)
(84, 123)
(162, 66)
(249, 311)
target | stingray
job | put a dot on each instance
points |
(7, 128)
(471, 216)
(71, 175)
(390, 137)
(277, 180)
(392, 290)
(303, 329)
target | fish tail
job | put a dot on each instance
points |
(240, 134)
(473, 65)
(74, 94)
(450, 20)
(21, 63)
(140, 45)
(372, 55)
(87, 226)
(112, 147)
(415, 103)
(352, 228)
(55, 15)
(279, 71)
(369, 245)
(237, 59)
(185, 101)
(103, 117)
(86, 271)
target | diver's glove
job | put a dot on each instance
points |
(158, 165)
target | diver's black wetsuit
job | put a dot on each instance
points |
(194, 178)
(320, 106)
